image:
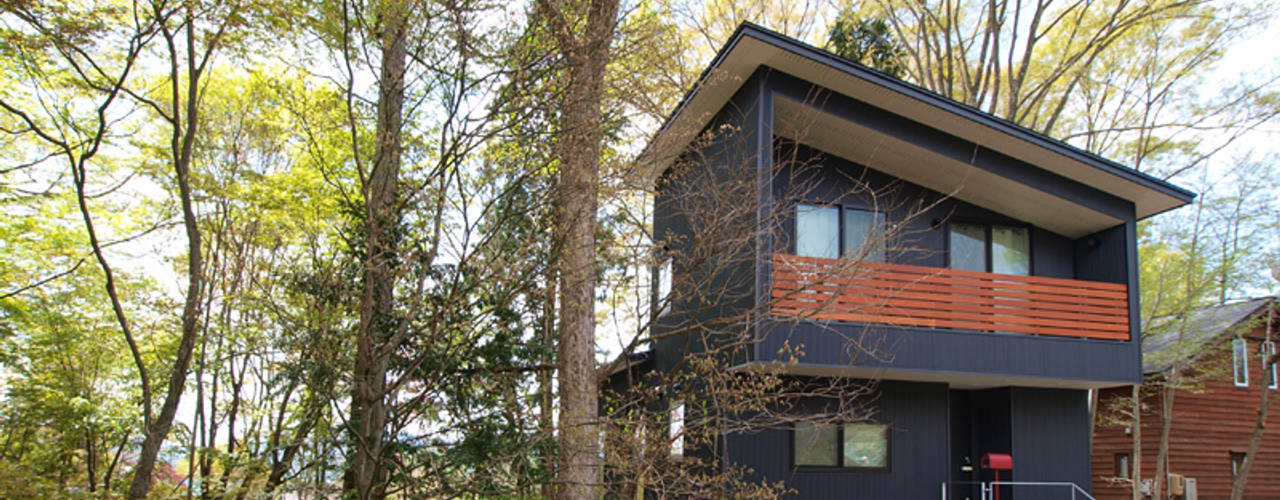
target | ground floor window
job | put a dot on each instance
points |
(1237, 462)
(677, 429)
(852, 446)
(1122, 465)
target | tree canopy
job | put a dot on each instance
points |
(382, 247)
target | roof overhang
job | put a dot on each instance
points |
(752, 47)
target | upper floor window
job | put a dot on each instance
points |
(1269, 348)
(1240, 362)
(830, 231)
(990, 248)
(665, 275)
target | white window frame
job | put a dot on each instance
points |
(1269, 347)
(666, 274)
(1240, 362)
(840, 235)
(677, 429)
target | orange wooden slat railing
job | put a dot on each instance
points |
(931, 297)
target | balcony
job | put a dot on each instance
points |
(930, 297)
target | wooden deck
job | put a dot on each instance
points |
(931, 297)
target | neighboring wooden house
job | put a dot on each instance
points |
(1213, 421)
(1016, 294)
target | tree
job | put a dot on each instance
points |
(583, 33)
(107, 80)
(1264, 404)
(867, 41)
(436, 222)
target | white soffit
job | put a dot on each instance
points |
(833, 135)
(727, 76)
(957, 380)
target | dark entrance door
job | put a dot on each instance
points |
(980, 423)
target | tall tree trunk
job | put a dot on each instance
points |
(1136, 456)
(545, 424)
(1166, 425)
(183, 146)
(586, 54)
(366, 474)
(1255, 442)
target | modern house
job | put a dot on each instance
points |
(1220, 353)
(983, 274)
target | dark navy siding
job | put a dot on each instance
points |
(917, 413)
(728, 154)
(955, 351)
(922, 236)
(1050, 439)
(1053, 255)
(1101, 256)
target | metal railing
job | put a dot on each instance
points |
(989, 488)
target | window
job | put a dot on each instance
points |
(677, 428)
(866, 445)
(1237, 462)
(863, 228)
(1122, 465)
(831, 231)
(852, 446)
(968, 247)
(1240, 361)
(815, 445)
(990, 248)
(665, 274)
(1269, 348)
(817, 231)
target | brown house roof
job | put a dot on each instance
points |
(1205, 327)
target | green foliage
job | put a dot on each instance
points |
(867, 41)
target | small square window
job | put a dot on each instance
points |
(866, 445)
(815, 445)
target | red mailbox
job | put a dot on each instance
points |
(997, 461)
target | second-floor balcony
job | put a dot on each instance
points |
(930, 297)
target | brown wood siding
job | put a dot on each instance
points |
(1208, 424)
